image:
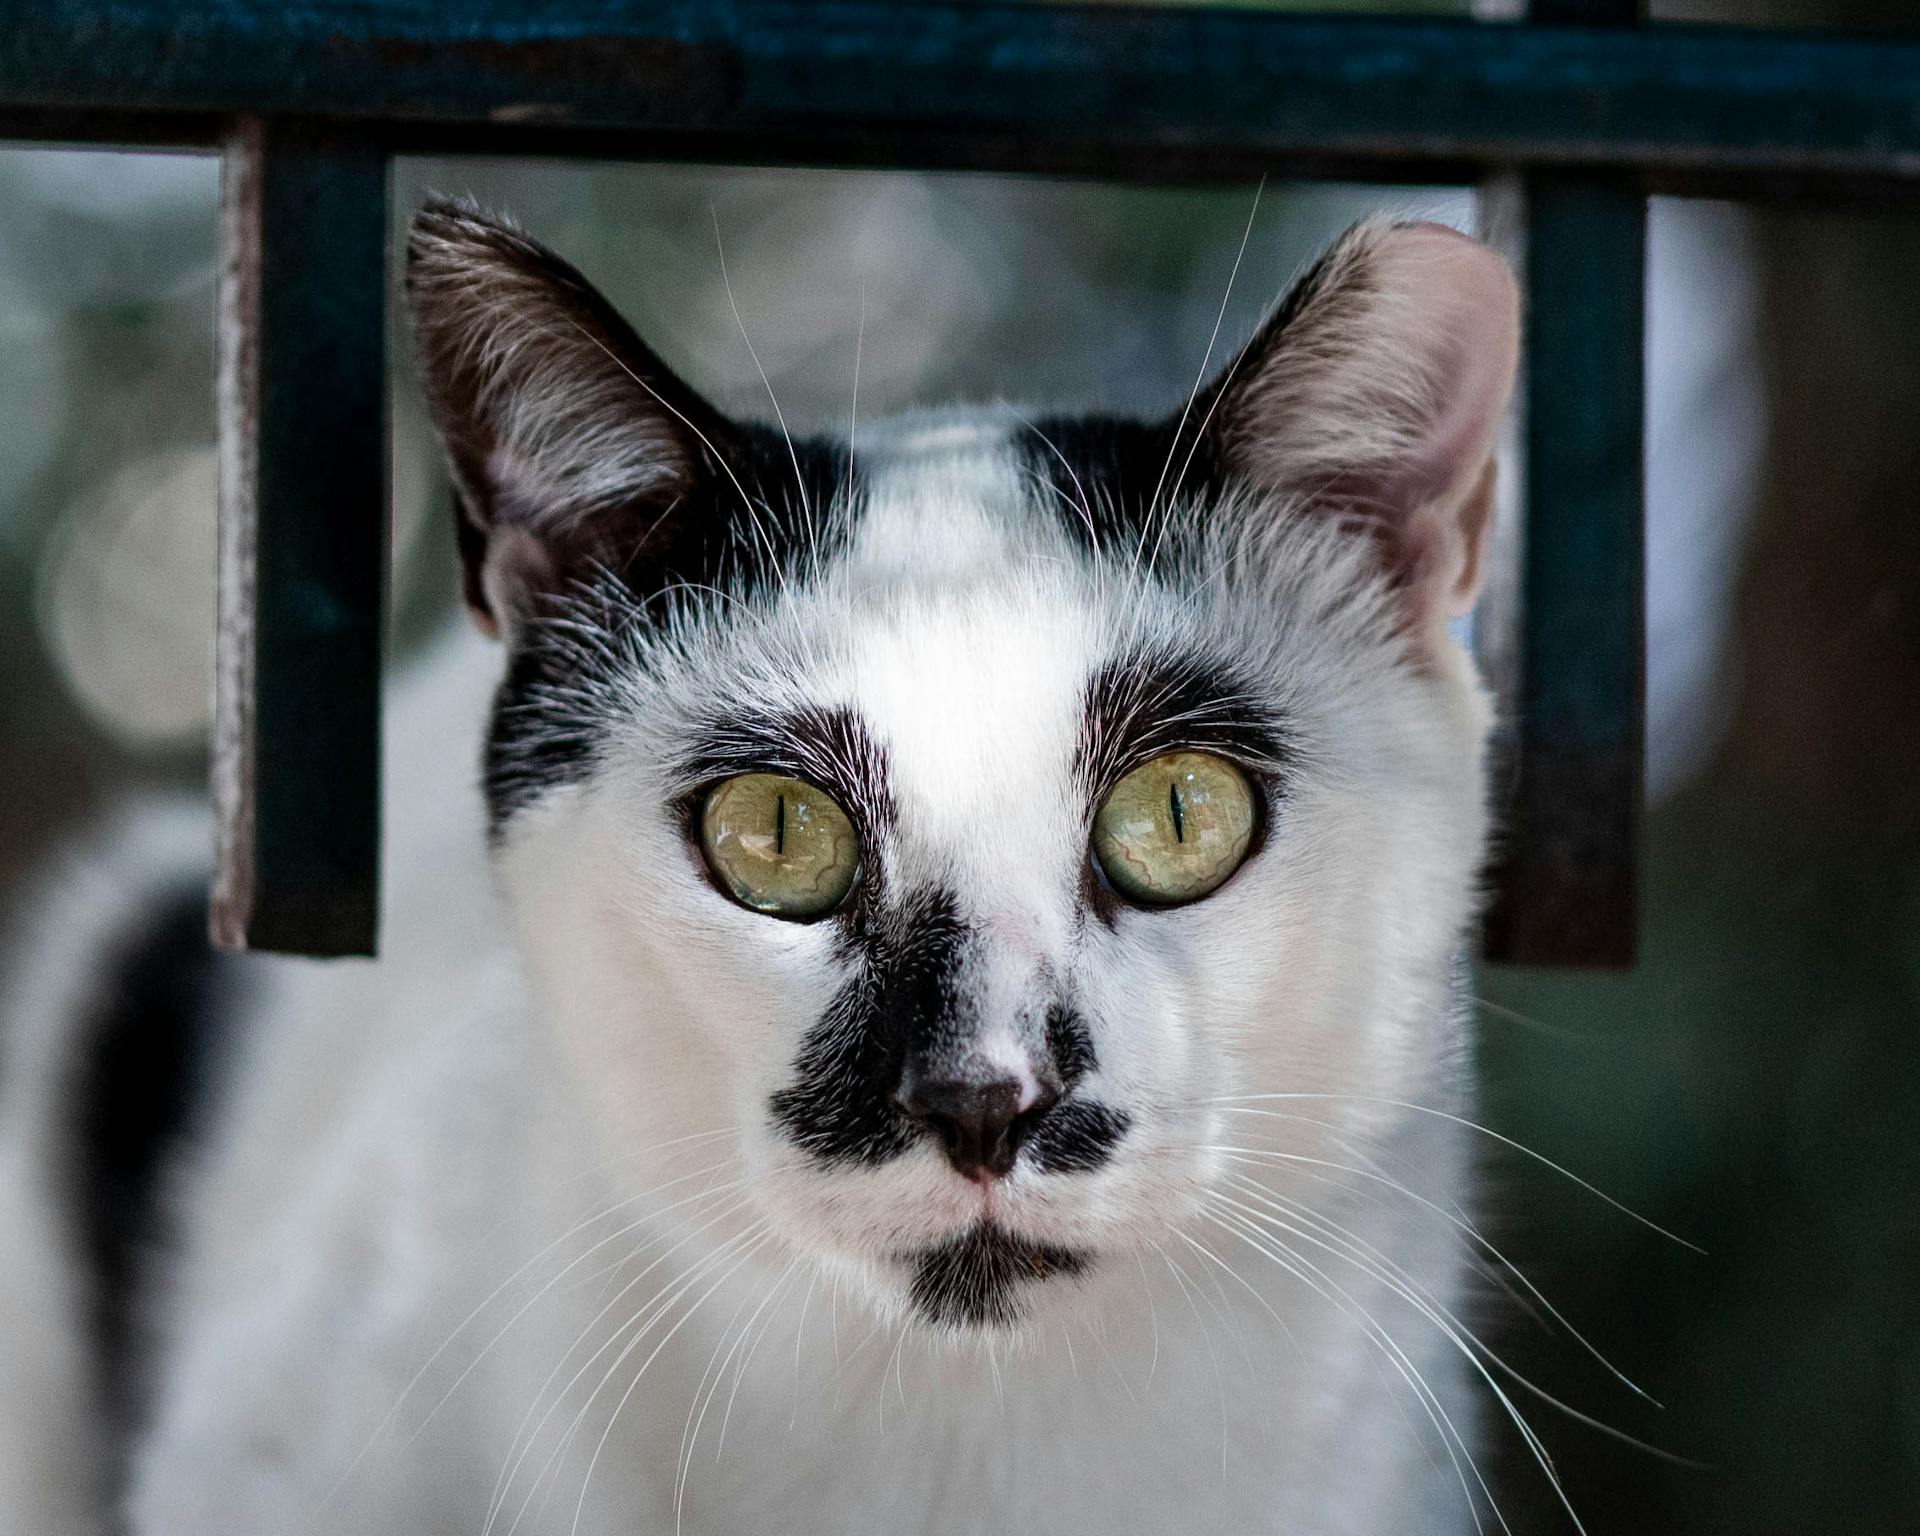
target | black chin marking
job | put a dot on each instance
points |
(973, 1280)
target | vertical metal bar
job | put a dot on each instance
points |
(1566, 890)
(303, 540)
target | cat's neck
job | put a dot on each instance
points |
(758, 1391)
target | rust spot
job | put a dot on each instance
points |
(552, 80)
(531, 112)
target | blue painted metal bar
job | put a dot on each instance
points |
(1120, 91)
(303, 540)
(1566, 888)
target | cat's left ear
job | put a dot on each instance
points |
(1374, 394)
(571, 445)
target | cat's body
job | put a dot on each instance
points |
(606, 1198)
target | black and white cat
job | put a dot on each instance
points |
(937, 1016)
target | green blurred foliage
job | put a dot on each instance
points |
(1754, 1083)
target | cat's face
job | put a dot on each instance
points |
(953, 836)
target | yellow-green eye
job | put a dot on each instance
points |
(1174, 828)
(779, 845)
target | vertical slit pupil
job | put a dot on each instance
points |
(780, 825)
(1179, 813)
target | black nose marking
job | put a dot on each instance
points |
(980, 1124)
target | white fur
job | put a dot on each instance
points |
(592, 1022)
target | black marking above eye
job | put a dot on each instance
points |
(827, 746)
(1145, 703)
(550, 719)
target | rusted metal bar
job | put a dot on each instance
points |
(303, 540)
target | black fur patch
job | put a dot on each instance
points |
(1075, 1137)
(153, 1028)
(710, 537)
(547, 728)
(534, 742)
(1070, 1044)
(905, 1006)
(1105, 472)
(1146, 703)
(841, 1106)
(974, 1279)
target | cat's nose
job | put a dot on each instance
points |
(981, 1124)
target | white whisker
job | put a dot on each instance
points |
(509, 1474)
(599, 1214)
(1206, 1338)
(1450, 1435)
(1469, 1348)
(1473, 1233)
(1505, 1141)
(1206, 359)
(627, 1396)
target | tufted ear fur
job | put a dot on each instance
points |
(1375, 393)
(568, 440)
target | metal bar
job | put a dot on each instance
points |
(1566, 889)
(303, 540)
(999, 85)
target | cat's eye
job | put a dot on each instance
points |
(1174, 829)
(779, 845)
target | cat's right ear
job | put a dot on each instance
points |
(569, 442)
(1373, 397)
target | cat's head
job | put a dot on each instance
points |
(950, 829)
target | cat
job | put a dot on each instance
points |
(938, 1011)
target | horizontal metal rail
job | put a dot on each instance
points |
(1117, 91)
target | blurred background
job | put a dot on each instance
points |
(1753, 1084)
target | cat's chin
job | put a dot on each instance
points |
(984, 1278)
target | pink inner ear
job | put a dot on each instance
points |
(1472, 351)
(1470, 342)
(517, 565)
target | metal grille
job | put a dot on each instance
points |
(1575, 114)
